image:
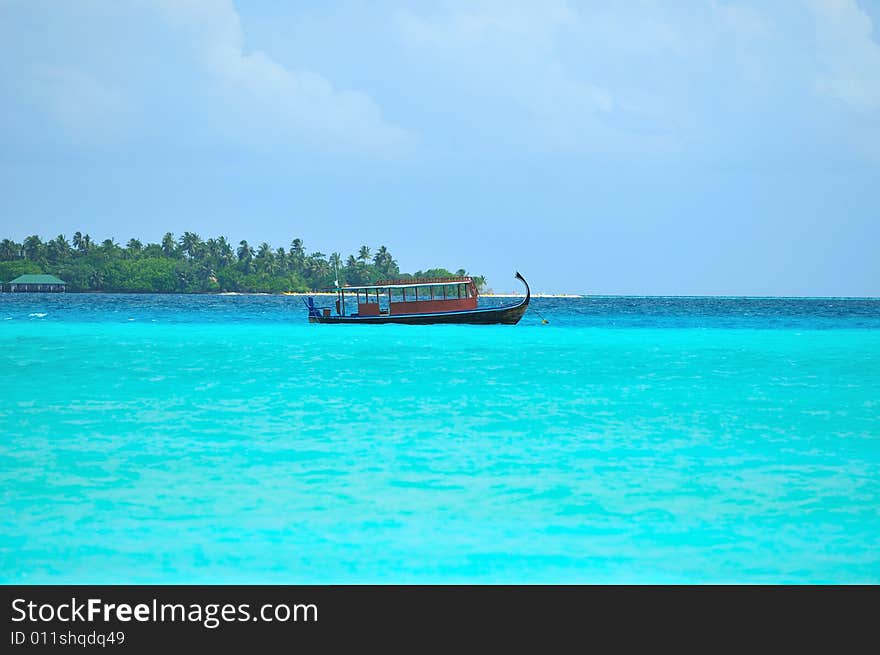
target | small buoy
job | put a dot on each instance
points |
(544, 321)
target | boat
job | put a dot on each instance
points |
(420, 301)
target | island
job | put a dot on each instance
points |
(190, 264)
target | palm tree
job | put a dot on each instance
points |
(245, 252)
(385, 263)
(191, 244)
(297, 255)
(78, 240)
(317, 269)
(9, 250)
(152, 250)
(33, 248)
(391, 267)
(58, 249)
(355, 271)
(281, 258)
(224, 250)
(134, 245)
(364, 254)
(168, 245)
(265, 259)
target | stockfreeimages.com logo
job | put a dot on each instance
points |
(210, 615)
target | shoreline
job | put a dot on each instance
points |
(331, 294)
(482, 295)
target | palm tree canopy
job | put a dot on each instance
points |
(245, 252)
(190, 244)
(168, 245)
(9, 250)
(192, 265)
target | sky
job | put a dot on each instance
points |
(662, 148)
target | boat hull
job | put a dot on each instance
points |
(509, 315)
(505, 315)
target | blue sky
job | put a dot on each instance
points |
(641, 147)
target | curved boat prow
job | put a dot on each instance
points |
(512, 314)
(528, 291)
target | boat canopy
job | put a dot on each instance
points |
(410, 283)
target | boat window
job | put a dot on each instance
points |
(417, 293)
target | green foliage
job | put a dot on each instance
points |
(192, 265)
(12, 269)
(479, 280)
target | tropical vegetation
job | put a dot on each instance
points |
(189, 264)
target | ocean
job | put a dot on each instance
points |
(223, 439)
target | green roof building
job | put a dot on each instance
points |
(37, 283)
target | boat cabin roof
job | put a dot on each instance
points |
(412, 282)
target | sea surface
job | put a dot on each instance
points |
(222, 439)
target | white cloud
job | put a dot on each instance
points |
(475, 21)
(575, 71)
(744, 21)
(848, 54)
(642, 77)
(213, 89)
(271, 103)
(509, 49)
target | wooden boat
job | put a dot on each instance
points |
(421, 301)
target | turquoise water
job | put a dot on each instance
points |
(176, 439)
